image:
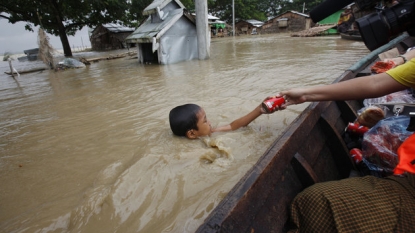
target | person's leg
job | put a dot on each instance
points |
(360, 204)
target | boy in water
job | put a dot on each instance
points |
(190, 120)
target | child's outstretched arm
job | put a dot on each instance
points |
(243, 121)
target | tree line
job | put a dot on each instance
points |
(65, 17)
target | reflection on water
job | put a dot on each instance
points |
(90, 150)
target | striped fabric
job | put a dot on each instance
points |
(360, 204)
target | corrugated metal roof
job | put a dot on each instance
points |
(117, 28)
(210, 17)
(255, 22)
(148, 30)
(152, 8)
(217, 21)
(294, 12)
(299, 13)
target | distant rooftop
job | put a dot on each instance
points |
(210, 17)
(255, 22)
(117, 28)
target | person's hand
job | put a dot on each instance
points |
(293, 96)
(277, 108)
(396, 60)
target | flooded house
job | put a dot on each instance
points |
(289, 21)
(248, 27)
(167, 36)
(109, 36)
(327, 26)
(218, 28)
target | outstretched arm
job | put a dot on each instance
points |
(243, 121)
(358, 88)
(403, 58)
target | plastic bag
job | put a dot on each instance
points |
(71, 63)
(381, 142)
(396, 97)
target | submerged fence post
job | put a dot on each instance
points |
(202, 29)
(11, 67)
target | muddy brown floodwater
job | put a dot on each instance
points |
(90, 149)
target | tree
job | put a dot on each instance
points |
(136, 16)
(62, 18)
(189, 4)
(278, 7)
(308, 5)
(258, 9)
(244, 9)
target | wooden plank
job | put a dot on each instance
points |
(304, 170)
(27, 71)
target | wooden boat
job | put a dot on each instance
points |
(310, 150)
(31, 55)
(351, 35)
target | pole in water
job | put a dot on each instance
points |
(11, 67)
(233, 17)
(203, 34)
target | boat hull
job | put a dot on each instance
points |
(310, 150)
(347, 36)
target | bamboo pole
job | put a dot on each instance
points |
(11, 67)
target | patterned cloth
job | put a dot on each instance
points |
(360, 204)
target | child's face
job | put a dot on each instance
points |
(203, 125)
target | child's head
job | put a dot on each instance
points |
(189, 120)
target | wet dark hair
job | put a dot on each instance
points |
(184, 118)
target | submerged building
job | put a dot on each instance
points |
(289, 21)
(167, 36)
(109, 36)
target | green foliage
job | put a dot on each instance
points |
(298, 5)
(189, 4)
(74, 14)
(244, 9)
(258, 9)
(62, 18)
(135, 15)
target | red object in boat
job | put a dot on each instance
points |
(356, 155)
(382, 66)
(356, 128)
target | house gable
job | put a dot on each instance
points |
(167, 36)
(165, 5)
(289, 21)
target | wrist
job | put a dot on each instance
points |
(403, 58)
(260, 110)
